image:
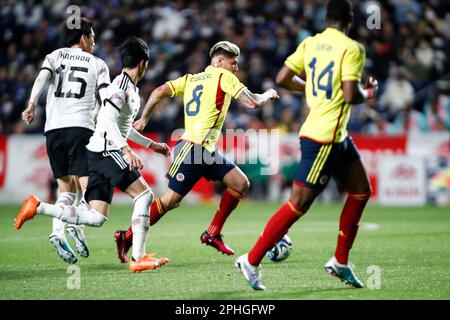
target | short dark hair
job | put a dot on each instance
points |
(73, 35)
(340, 11)
(133, 51)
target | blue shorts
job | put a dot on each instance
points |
(192, 162)
(320, 161)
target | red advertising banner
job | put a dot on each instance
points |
(3, 157)
(373, 148)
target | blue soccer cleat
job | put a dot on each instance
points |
(63, 249)
(343, 272)
(251, 273)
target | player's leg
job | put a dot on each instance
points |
(159, 207)
(237, 186)
(182, 175)
(98, 194)
(354, 179)
(278, 225)
(66, 197)
(142, 196)
(78, 166)
(76, 232)
(57, 150)
(352, 176)
(307, 185)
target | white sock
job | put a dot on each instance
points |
(73, 214)
(65, 199)
(140, 222)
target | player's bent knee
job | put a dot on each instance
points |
(245, 186)
(301, 204)
(146, 196)
(242, 187)
(96, 219)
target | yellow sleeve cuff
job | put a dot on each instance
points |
(172, 88)
(238, 92)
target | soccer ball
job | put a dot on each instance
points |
(281, 251)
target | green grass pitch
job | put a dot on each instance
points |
(404, 252)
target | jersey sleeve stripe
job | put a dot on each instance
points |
(220, 95)
(101, 86)
(338, 120)
(172, 88)
(236, 95)
(45, 68)
(122, 81)
(112, 104)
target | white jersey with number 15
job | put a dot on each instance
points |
(76, 75)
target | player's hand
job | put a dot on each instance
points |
(371, 87)
(134, 162)
(273, 95)
(162, 148)
(139, 125)
(28, 114)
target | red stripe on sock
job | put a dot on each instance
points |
(156, 211)
(275, 229)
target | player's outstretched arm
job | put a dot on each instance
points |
(157, 95)
(253, 100)
(355, 94)
(38, 86)
(148, 143)
(288, 79)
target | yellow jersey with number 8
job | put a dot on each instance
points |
(206, 98)
(328, 59)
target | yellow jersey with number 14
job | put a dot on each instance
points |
(206, 98)
(328, 59)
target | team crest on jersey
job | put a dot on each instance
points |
(180, 177)
(324, 179)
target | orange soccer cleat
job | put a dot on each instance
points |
(28, 211)
(147, 262)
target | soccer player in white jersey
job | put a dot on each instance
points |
(112, 163)
(75, 78)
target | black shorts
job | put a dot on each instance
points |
(66, 149)
(107, 170)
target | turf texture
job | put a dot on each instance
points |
(400, 253)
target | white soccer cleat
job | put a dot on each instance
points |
(251, 273)
(63, 249)
(77, 236)
(343, 272)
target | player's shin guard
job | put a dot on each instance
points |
(349, 224)
(140, 223)
(230, 200)
(275, 229)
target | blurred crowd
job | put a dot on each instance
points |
(408, 54)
